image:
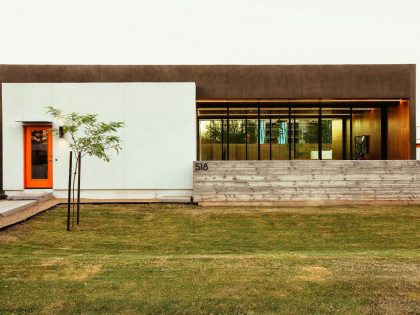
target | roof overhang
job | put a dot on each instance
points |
(34, 122)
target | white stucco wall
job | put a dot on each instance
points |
(158, 140)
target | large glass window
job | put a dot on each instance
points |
(265, 138)
(273, 134)
(252, 135)
(280, 133)
(305, 145)
(237, 139)
(284, 131)
(211, 138)
(335, 128)
(224, 139)
(327, 138)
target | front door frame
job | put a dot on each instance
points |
(29, 182)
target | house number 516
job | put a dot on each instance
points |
(201, 167)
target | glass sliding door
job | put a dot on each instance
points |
(335, 133)
(279, 133)
(238, 120)
(333, 138)
(274, 129)
(237, 139)
(305, 146)
(252, 138)
(305, 133)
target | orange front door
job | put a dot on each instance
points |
(38, 157)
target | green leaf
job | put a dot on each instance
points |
(88, 136)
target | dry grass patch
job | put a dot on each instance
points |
(7, 238)
(56, 307)
(57, 269)
(88, 272)
(314, 273)
(52, 262)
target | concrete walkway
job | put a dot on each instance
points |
(8, 207)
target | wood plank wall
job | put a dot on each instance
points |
(399, 131)
(368, 123)
(306, 182)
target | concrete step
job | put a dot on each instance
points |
(8, 207)
(30, 196)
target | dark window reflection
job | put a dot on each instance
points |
(39, 143)
(306, 139)
(210, 139)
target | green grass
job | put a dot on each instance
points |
(183, 259)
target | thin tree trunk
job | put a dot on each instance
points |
(78, 186)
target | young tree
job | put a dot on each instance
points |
(86, 136)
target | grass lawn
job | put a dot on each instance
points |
(183, 259)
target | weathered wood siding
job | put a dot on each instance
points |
(307, 182)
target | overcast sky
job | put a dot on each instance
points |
(210, 32)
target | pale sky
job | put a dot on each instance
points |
(210, 32)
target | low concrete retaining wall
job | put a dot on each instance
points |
(310, 182)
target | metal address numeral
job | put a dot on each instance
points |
(201, 167)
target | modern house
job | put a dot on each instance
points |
(195, 130)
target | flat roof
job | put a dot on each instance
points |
(240, 81)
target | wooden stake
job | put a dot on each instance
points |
(69, 192)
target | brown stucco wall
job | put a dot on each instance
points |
(239, 81)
